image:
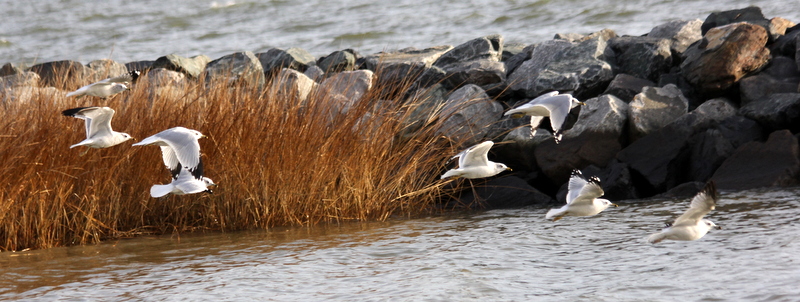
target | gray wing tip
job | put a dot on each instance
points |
(73, 111)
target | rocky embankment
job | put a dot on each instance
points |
(688, 102)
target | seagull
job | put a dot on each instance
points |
(98, 127)
(582, 198)
(180, 151)
(474, 163)
(551, 104)
(691, 225)
(107, 87)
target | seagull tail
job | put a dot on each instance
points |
(656, 238)
(157, 191)
(555, 214)
(449, 173)
(80, 91)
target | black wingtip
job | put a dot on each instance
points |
(576, 173)
(594, 179)
(711, 190)
(135, 75)
(73, 111)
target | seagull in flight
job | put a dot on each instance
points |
(107, 87)
(691, 225)
(98, 127)
(474, 163)
(582, 198)
(551, 104)
(180, 151)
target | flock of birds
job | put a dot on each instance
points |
(180, 148)
(180, 151)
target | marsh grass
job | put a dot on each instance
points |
(276, 162)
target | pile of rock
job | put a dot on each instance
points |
(688, 102)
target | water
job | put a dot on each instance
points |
(499, 255)
(40, 31)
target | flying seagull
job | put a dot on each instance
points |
(582, 198)
(98, 127)
(474, 163)
(107, 87)
(691, 225)
(180, 151)
(551, 104)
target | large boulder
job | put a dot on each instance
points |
(346, 88)
(24, 78)
(751, 14)
(275, 59)
(654, 108)
(756, 164)
(707, 151)
(500, 192)
(9, 69)
(236, 68)
(467, 114)
(338, 61)
(625, 86)
(191, 67)
(681, 33)
(423, 106)
(595, 139)
(105, 68)
(643, 57)
(159, 77)
(724, 56)
(523, 79)
(60, 74)
(474, 62)
(404, 66)
(778, 111)
(761, 86)
(292, 84)
(483, 48)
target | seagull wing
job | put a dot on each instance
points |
(476, 155)
(98, 119)
(177, 144)
(528, 108)
(559, 108)
(702, 204)
(187, 183)
(575, 186)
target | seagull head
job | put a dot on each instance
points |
(501, 167)
(606, 203)
(711, 224)
(126, 137)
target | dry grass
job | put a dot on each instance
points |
(276, 163)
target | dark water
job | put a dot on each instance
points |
(499, 255)
(39, 31)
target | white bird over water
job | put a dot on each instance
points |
(552, 104)
(107, 87)
(98, 127)
(180, 151)
(474, 163)
(582, 198)
(691, 225)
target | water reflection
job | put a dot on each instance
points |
(495, 255)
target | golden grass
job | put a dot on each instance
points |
(276, 163)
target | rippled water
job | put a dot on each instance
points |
(499, 255)
(38, 31)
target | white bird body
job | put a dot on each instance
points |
(98, 127)
(691, 225)
(474, 163)
(107, 87)
(180, 151)
(185, 183)
(582, 198)
(551, 104)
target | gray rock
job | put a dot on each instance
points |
(9, 69)
(595, 139)
(60, 74)
(477, 72)
(512, 49)
(782, 68)
(315, 73)
(423, 105)
(625, 86)
(235, 68)
(275, 59)
(786, 45)
(350, 85)
(643, 57)
(191, 67)
(523, 79)
(681, 33)
(292, 84)
(338, 61)
(142, 66)
(778, 111)
(725, 55)
(32, 94)
(516, 60)
(104, 69)
(405, 66)
(756, 164)
(159, 77)
(708, 150)
(500, 192)
(761, 86)
(655, 108)
(467, 114)
(751, 14)
(682, 191)
(483, 48)
(24, 78)
(739, 130)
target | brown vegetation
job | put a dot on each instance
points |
(275, 161)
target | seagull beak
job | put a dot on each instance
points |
(615, 205)
(509, 169)
(582, 103)
(717, 227)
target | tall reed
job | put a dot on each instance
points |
(276, 162)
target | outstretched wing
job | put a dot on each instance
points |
(583, 190)
(98, 119)
(476, 155)
(559, 108)
(178, 146)
(702, 204)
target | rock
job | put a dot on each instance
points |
(32, 94)
(9, 69)
(160, 77)
(512, 49)
(756, 164)
(292, 84)
(500, 192)
(350, 85)
(315, 73)
(625, 86)
(467, 114)
(782, 68)
(595, 139)
(191, 67)
(778, 111)
(681, 33)
(654, 108)
(786, 45)
(24, 78)
(523, 79)
(761, 86)
(235, 68)
(104, 69)
(423, 105)
(708, 150)
(516, 151)
(404, 66)
(477, 72)
(682, 191)
(739, 130)
(142, 66)
(276, 59)
(751, 14)
(615, 179)
(516, 60)
(643, 57)
(60, 74)
(725, 55)
(483, 48)
(338, 61)
(778, 27)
